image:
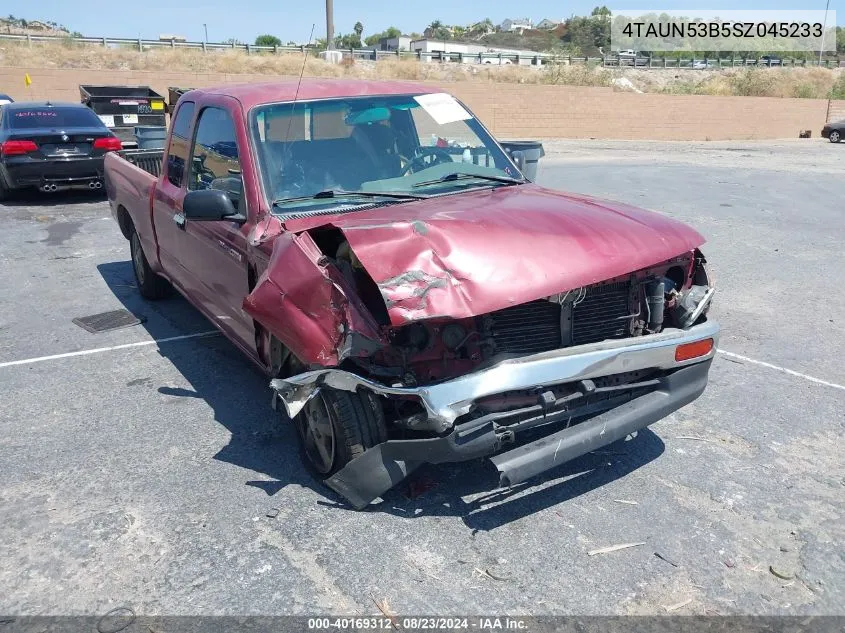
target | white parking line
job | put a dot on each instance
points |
(784, 370)
(99, 350)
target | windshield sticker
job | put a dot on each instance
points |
(38, 113)
(443, 108)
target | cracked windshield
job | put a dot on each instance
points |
(381, 149)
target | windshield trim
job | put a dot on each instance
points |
(252, 113)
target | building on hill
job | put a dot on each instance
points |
(548, 25)
(515, 25)
(455, 49)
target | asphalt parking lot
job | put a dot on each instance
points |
(143, 474)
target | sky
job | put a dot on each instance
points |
(244, 19)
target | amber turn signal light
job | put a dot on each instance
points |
(693, 350)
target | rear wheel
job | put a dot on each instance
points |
(337, 426)
(835, 136)
(150, 285)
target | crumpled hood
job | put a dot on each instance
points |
(472, 253)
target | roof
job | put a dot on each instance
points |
(254, 94)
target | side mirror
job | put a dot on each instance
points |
(518, 157)
(206, 205)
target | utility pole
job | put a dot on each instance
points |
(205, 26)
(329, 24)
(824, 28)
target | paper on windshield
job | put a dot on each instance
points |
(443, 108)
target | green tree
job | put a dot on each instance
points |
(347, 41)
(358, 29)
(389, 32)
(588, 34)
(267, 40)
(602, 12)
(431, 28)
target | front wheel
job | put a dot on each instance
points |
(335, 427)
(835, 136)
(150, 285)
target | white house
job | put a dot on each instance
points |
(515, 25)
(548, 24)
(401, 43)
(489, 55)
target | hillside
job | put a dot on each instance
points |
(811, 83)
(19, 26)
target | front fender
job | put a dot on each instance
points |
(304, 301)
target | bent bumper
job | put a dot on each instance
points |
(616, 414)
(376, 471)
(445, 402)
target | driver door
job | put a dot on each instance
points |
(213, 255)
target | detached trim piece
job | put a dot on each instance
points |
(447, 401)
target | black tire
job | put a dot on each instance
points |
(835, 136)
(4, 193)
(356, 421)
(150, 285)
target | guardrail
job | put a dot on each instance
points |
(492, 58)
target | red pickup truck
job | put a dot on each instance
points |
(413, 298)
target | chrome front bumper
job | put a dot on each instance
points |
(447, 401)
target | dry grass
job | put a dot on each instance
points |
(813, 83)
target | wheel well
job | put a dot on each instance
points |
(124, 221)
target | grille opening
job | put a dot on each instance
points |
(603, 313)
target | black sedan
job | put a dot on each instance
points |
(52, 146)
(834, 132)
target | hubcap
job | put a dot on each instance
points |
(315, 428)
(834, 136)
(137, 259)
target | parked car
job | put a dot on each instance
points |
(4, 99)
(703, 64)
(52, 146)
(414, 299)
(834, 132)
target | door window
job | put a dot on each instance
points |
(214, 158)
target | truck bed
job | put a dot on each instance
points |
(147, 159)
(130, 187)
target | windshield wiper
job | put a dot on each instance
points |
(451, 177)
(337, 193)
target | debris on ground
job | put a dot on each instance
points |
(625, 501)
(691, 437)
(781, 574)
(667, 559)
(613, 548)
(273, 513)
(384, 607)
(675, 607)
(486, 573)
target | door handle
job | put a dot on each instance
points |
(179, 219)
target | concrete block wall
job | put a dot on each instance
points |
(520, 110)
